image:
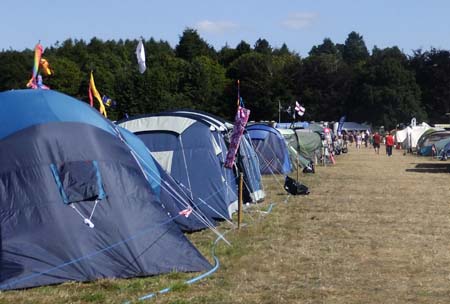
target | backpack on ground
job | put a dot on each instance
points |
(295, 188)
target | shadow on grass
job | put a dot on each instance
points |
(431, 168)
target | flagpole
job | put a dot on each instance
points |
(238, 92)
(293, 118)
(295, 113)
(279, 111)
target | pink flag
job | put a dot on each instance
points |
(186, 212)
(240, 121)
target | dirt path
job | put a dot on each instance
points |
(374, 230)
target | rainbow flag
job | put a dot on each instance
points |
(32, 83)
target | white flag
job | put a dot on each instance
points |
(140, 54)
(299, 109)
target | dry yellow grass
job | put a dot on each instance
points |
(373, 230)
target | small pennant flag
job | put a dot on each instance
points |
(186, 212)
(299, 109)
(108, 102)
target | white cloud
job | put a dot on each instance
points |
(298, 21)
(217, 27)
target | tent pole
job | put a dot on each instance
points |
(279, 112)
(241, 181)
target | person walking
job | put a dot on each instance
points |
(376, 142)
(358, 140)
(389, 144)
(366, 138)
(350, 138)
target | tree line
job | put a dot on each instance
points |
(384, 87)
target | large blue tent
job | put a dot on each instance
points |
(192, 151)
(75, 204)
(271, 148)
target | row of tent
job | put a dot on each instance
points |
(82, 198)
(283, 147)
(192, 148)
(305, 141)
(424, 140)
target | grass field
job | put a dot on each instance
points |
(373, 230)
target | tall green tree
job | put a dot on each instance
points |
(282, 51)
(192, 45)
(15, 69)
(67, 76)
(227, 55)
(354, 49)
(243, 48)
(432, 69)
(324, 82)
(286, 68)
(255, 72)
(385, 87)
(327, 47)
(205, 85)
(262, 46)
(387, 93)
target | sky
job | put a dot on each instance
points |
(301, 24)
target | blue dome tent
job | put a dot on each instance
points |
(271, 149)
(74, 202)
(192, 151)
